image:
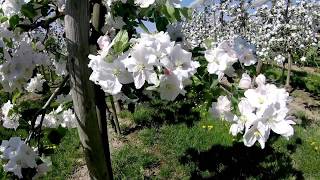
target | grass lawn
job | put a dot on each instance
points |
(206, 150)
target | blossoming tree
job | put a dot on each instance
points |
(70, 65)
(278, 29)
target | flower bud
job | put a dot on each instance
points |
(245, 81)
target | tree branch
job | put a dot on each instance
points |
(42, 111)
(43, 23)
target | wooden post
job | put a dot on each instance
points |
(77, 35)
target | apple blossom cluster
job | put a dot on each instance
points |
(18, 155)
(279, 59)
(262, 109)
(64, 98)
(19, 63)
(9, 118)
(154, 59)
(58, 117)
(35, 83)
(221, 58)
(12, 7)
(60, 67)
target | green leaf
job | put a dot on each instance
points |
(161, 23)
(8, 42)
(3, 19)
(177, 14)
(214, 84)
(16, 95)
(121, 41)
(28, 11)
(14, 20)
(186, 12)
(171, 12)
(49, 42)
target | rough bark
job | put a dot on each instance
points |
(77, 35)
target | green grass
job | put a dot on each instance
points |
(65, 156)
(206, 150)
(132, 162)
(170, 143)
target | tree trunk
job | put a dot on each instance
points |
(259, 67)
(282, 72)
(77, 35)
(289, 70)
(118, 105)
(115, 116)
(97, 21)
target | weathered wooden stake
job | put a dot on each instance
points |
(77, 35)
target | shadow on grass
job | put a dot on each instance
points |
(157, 113)
(240, 162)
(299, 79)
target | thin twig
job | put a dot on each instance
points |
(226, 90)
(43, 23)
(42, 111)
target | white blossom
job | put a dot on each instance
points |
(58, 117)
(170, 87)
(68, 119)
(12, 7)
(141, 65)
(179, 63)
(245, 51)
(222, 109)
(110, 76)
(64, 98)
(245, 81)
(17, 155)
(60, 67)
(279, 59)
(19, 64)
(144, 3)
(257, 132)
(9, 119)
(262, 110)
(35, 83)
(221, 59)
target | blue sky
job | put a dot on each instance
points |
(186, 2)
